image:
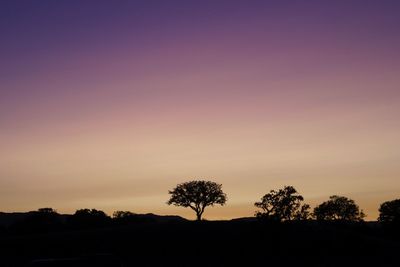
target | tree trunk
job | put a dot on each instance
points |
(198, 214)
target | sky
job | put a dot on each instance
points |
(110, 104)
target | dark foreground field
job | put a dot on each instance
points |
(219, 243)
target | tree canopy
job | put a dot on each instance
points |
(389, 211)
(89, 218)
(197, 195)
(119, 214)
(283, 205)
(338, 208)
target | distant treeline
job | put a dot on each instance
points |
(49, 220)
(285, 204)
(277, 206)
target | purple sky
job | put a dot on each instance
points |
(109, 104)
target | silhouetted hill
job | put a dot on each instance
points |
(244, 219)
(160, 218)
(178, 242)
(8, 219)
(49, 239)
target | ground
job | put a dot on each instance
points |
(220, 243)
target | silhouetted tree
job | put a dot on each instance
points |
(197, 195)
(119, 214)
(127, 217)
(338, 208)
(124, 217)
(389, 212)
(89, 218)
(304, 213)
(46, 211)
(283, 205)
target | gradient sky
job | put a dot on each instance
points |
(109, 104)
